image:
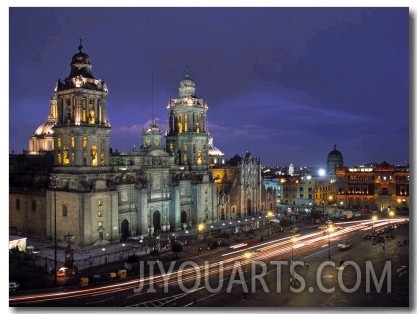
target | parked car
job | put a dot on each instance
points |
(13, 286)
(343, 245)
(31, 249)
(294, 230)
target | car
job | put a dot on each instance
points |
(293, 230)
(31, 249)
(343, 245)
(13, 286)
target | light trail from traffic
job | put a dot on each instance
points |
(266, 251)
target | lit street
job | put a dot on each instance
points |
(270, 259)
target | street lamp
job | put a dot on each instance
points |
(55, 242)
(293, 240)
(374, 218)
(391, 213)
(200, 229)
(330, 229)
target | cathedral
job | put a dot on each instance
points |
(70, 177)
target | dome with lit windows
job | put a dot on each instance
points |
(216, 156)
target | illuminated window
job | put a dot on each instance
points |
(100, 224)
(84, 142)
(185, 146)
(199, 159)
(100, 203)
(102, 158)
(58, 144)
(186, 123)
(84, 113)
(91, 115)
(171, 147)
(65, 160)
(94, 157)
(58, 156)
(72, 141)
(100, 213)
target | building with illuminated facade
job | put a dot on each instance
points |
(374, 186)
(70, 177)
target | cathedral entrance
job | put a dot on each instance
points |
(156, 221)
(183, 217)
(124, 228)
(222, 217)
(249, 207)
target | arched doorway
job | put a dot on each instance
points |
(184, 219)
(183, 216)
(156, 221)
(249, 207)
(124, 227)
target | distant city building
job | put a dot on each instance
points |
(334, 161)
(373, 186)
(291, 169)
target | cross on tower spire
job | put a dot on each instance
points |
(80, 47)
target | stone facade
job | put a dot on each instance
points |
(98, 195)
(242, 193)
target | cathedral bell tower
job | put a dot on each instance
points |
(81, 131)
(187, 137)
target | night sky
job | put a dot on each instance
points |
(286, 84)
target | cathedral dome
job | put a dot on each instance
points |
(81, 64)
(334, 161)
(187, 87)
(45, 129)
(214, 151)
(335, 155)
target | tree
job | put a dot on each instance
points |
(132, 259)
